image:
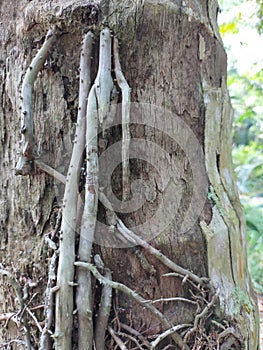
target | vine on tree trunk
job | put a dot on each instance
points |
(62, 291)
(83, 290)
(125, 105)
(24, 164)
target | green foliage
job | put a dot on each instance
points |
(229, 28)
(245, 84)
(254, 220)
(246, 94)
(260, 16)
(249, 169)
(248, 162)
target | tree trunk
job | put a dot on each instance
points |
(183, 200)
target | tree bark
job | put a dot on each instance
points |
(173, 59)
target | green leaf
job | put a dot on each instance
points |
(228, 28)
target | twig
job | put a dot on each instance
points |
(229, 331)
(131, 338)
(219, 325)
(41, 306)
(169, 346)
(164, 300)
(126, 99)
(167, 333)
(199, 317)
(86, 121)
(103, 313)
(9, 316)
(205, 311)
(123, 288)
(23, 166)
(34, 318)
(161, 257)
(49, 170)
(11, 280)
(21, 312)
(45, 342)
(136, 333)
(7, 345)
(186, 278)
(116, 310)
(65, 273)
(118, 341)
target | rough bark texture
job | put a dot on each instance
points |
(172, 57)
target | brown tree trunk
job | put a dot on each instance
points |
(174, 61)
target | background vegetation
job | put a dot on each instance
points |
(241, 26)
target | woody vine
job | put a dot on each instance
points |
(70, 279)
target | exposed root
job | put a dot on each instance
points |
(86, 131)
(104, 83)
(118, 341)
(137, 334)
(133, 238)
(65, 274)
(126, 99)
(123, 288)
(24, 164)
(22, 315)
(199, 318)
(45, 338)
(165, 334)
(103, 313)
